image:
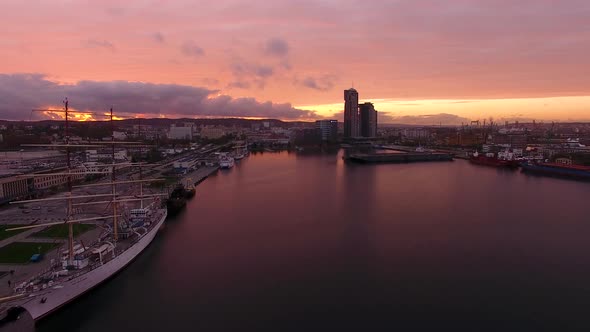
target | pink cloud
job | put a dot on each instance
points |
(419, 49)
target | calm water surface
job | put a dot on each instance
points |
(285, 241)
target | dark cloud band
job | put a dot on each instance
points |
(22, 92)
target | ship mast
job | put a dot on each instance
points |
(113, 182)
(140, 174)
(70, 198)
(69, 166)
(69, 211)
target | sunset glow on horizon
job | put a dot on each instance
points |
(419, 62)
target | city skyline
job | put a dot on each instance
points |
(419, 62)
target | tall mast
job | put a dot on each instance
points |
(140, 175)
(114, 186)
(69, 211)
(69, 165)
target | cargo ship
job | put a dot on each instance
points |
(490, 159)
(557, 170)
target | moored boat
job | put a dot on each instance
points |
(557, 170)
(177, 199)
(189, 191)
(241, 152)
(490, 159)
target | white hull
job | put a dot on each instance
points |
(59, 295)
(226, 165)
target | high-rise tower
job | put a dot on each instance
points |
(368, 117)
(352, 126)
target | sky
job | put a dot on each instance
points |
(418, 61)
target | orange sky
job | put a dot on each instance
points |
(469, 59)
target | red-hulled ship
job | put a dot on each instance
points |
(490, 159)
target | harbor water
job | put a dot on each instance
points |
(301, 242)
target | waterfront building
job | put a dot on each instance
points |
(105, 154)
(515, 140)
(22, 185)
(48, 181)
(351, 113)
(416, 134)
(307, 136)
(212, 132)
(368, 117)
(12, 187)
(328, 130)
(180, 133)
(185, 164)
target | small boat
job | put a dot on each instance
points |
(177, 199)
(240, 152)
(189, 188)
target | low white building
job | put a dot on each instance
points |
(119, 135)
(185, 163)
(12, 187)
(121, 155)
(417, 133)
(96, 155)
(281, 131)
(42, 182)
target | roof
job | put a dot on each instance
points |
(102, 248)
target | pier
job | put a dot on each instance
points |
(199, 175)
(402, 157)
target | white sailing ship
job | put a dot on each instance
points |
(131, 226)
